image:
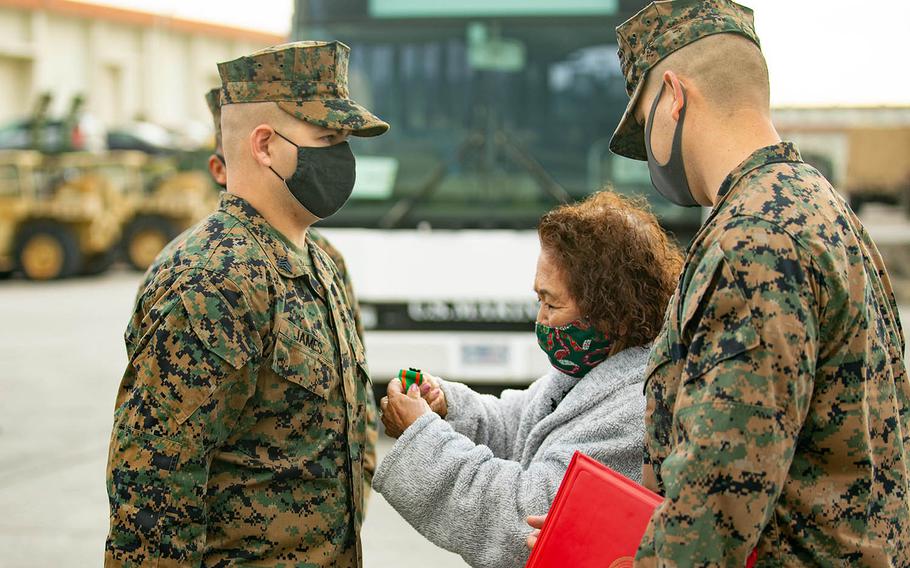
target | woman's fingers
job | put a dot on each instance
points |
(430, 395)
(438, 405)
(532, 538)
(394, 386)
(537, 521)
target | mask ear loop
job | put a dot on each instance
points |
(651, 122)
(677, 137)
(289, 141)
(284, 181)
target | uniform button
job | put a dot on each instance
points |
(146, 519)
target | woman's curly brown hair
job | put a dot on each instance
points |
(620, 266)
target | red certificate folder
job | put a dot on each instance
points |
(597, 519)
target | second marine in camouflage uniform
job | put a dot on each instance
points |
(241, 422)
(778, 411)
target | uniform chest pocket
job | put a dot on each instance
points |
(304, 359)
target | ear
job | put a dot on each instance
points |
(217, 169)
(260, 139)
(673, 85)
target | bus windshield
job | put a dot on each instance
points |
(500, 110)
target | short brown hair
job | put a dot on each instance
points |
(729, 69)
(620, 266)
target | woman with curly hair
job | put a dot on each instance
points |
(468, 469)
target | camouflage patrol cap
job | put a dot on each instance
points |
(306, 79)
(658, 30)
(213, 99)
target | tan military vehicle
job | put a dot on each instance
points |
(55, 221)
(865, 152)
(169, 202)
(151, 200)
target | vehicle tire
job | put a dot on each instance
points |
(46, 250)
(144, 238)
(99, 263)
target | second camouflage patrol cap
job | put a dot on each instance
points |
(655, 32)
(213, 100)
(306, 79)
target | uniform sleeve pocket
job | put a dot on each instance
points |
(717, 316)
(225, 330)
(300, 358)
(660, 353)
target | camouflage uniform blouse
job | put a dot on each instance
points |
(369, 452)
(240, 424)
(778, 403)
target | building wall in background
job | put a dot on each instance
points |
(129, 65)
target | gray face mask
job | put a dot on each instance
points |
(670, 179)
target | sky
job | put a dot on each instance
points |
(819, 52)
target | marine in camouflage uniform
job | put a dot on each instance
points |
(778, 413)
(240, 430)
(213, 100)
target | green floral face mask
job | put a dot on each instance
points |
(575, 348)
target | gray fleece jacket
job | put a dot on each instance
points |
(468, 482)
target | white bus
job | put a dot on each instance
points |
(457, 304)
(500, 110)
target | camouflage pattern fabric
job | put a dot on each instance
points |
(306, 79)
(369, 458)
(341, 267)
(240, 423)
(213, 100)
(655, 32)
(372, 412)
(318, 239)
(778, 405)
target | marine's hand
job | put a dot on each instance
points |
(400, 410)
(537, 524)
(434, 396)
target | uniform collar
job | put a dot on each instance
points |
(780, 152)
(289, 260)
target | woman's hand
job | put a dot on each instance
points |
(400, 410)
(434, 396)
(537, 524)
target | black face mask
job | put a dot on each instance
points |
(670, 179)
(324, 178)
